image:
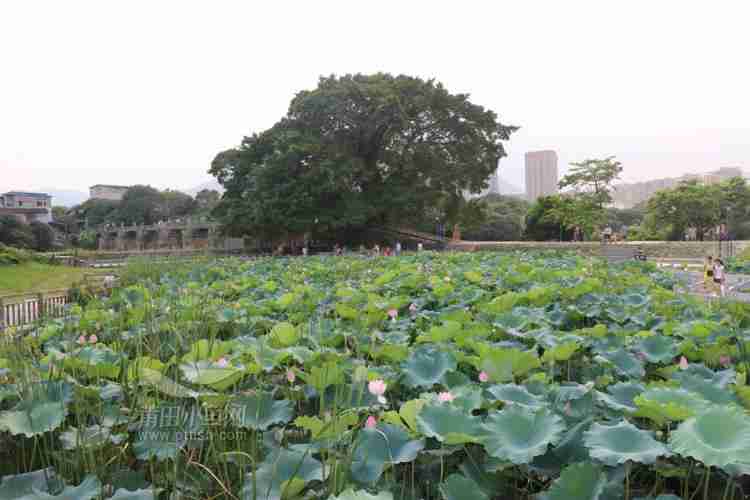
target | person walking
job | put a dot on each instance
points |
(720, 277)
(398, 248)
(708, 274)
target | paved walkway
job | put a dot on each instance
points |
(737, 284)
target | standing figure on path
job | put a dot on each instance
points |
(607, 234)
(376, 249)
(398, 248)
(420, 247)
(720, 276)
(708, 274)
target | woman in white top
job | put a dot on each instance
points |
(719, 276)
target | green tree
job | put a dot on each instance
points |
(581, 210)
(593, 177)
(540, 225)
(141, 205)
(358, 150)
(690, 205)
(207, 199)
(43, 236)
(15, 233)
(504, 219)
(96, 212)
(176, 204)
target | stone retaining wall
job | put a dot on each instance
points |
(653, 249)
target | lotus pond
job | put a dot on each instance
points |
(430, 376)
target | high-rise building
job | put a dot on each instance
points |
(541, 174)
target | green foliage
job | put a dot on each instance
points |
(593, 177)
(700, 207)
(526, 375)
(504, 220)
(357, 150)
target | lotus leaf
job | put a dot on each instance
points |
(22, 485)
(658, 349)
(34, 486)
(89, 437)
(260, 411)
(581, 481)
(41, 410)
(427, 366)
(214, 376)
(458, 487)
(376, 448)
(165, 385)
(123, 494)
(284, 335)
(621, 442)
(621, 396)
(625, 363)
(448, 424)
(515, 394)
(719, 436)
(668, 404)
(518, 434)
(350, 494)
(283, 474)
(504, 365)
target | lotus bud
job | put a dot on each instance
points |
(413, 308)
(393, 314)
(222, 362)
(725, 360)
(683, 363)
(290, 376)
(371, 423)
(483, 377)
(93, 339)
(82, 339)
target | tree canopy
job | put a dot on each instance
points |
(358, 150)
(700, 207)
(593, 178)
(504, 219)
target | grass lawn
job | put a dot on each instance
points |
(34, 276)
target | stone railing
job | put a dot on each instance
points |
(653, 249)
(22, 309)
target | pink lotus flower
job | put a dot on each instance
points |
(93, 339)
(290, 376)
(393, 314)
(725, 360)
(683, 363)
(377, 388)
(413, 308)
(483, 377)
(222, 362)
(446, 397)
(82, 339)
(371, 423)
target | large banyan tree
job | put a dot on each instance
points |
(359, 150)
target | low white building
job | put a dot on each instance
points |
(28, 207)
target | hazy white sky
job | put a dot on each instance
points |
(149, 91)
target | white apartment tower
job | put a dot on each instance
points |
(541, 174)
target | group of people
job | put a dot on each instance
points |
(714, 276)
(376, 250)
